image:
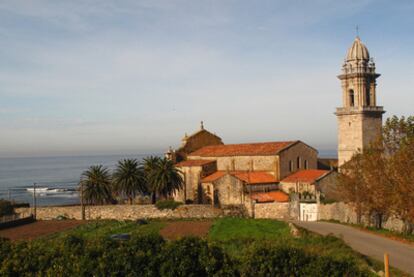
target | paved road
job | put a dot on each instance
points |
(401, 254)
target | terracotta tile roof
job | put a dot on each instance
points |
(194, 163)
(272, 196)
(247, 149)
(305, 176)
(213, 177)
(256, 177)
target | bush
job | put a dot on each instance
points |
(151, 256)
(6, 207)
(167, 204)
(268, 260)
(194, 257)
(5, 247)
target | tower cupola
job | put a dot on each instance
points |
(358, 51)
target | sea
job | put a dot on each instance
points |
(56, 178)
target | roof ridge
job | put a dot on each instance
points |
(245, 149)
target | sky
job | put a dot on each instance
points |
(132, 76)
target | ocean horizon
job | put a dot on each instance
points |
(57, 177)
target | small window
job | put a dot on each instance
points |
(290, 166)
(305, 163)
(298, 163)
(368, 97)
(351, 98)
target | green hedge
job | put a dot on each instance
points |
(167, 204)
(151, 256)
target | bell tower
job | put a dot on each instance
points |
(359, 118)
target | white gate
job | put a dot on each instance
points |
(308, 212)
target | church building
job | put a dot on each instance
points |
(236, 174)
(240, 174)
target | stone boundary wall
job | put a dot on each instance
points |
(343, 212)
(273, 210)
(125, 212)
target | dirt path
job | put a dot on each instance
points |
(38, 229)
(179, 229)
(401, 254)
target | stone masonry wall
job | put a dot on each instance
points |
(125, 212)
(271, 210)
(345, 213)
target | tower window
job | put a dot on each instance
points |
(351, 98)
(298, 162)
(306, 164)
(290, 166)
(368, 97)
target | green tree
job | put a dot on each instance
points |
(96, 185)
(150, 164)
(128, 179)
(164, 178)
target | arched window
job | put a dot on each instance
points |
(351, 98)
(298, 162)
(290, 166)
(306, 164)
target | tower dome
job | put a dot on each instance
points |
(358, 51)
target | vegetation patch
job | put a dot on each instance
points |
(167, 204)
(233, 247)
(150, 255)
(225, 229)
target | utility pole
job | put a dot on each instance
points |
(81, 201)
(34, 200)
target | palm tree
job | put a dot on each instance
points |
(128, 178)
(165, 178)
(150, 164)
(96, 185)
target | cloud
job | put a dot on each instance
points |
(81, 75)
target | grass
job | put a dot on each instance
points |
(225, 229)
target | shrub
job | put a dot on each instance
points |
(6, 207)
(167, 204)
(275, 261)
(151, 256)
(328, 266)
(194, 257)
(5, 248)
(270, 260)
